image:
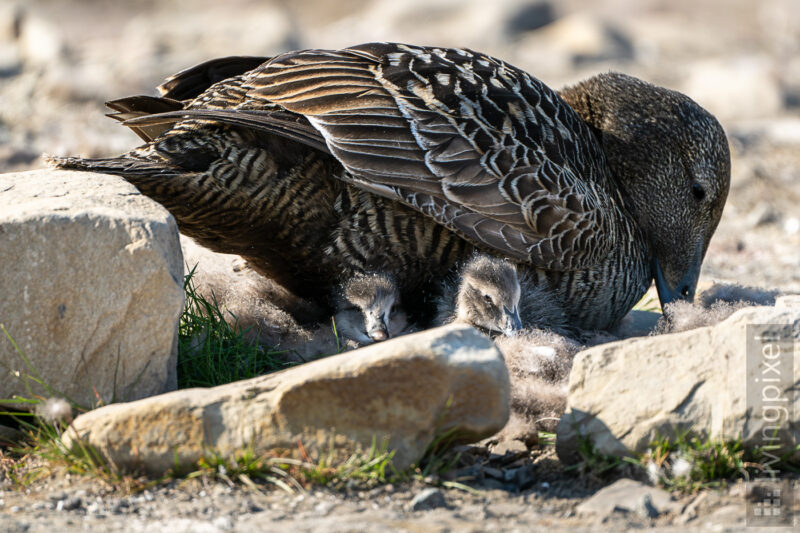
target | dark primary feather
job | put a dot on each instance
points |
(319, 164)
(143, 106)
(192, 82)
(277, 122)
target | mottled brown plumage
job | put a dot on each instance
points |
(317, 165)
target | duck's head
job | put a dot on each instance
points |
(670, 159)
(488, 295)
(368, 308)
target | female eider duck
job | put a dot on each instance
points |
(319, 164)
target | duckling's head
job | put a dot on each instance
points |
(368, 308)
(488, 295)
(670, 159)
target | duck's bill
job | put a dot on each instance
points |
(684, 289)
(512, 321)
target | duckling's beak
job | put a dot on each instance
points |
(376, 327)
(378, 334)
(512, 322)
(685, 288)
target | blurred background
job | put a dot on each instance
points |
(61, 59)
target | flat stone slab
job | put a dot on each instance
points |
(405, 390)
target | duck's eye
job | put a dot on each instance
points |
(487, 299)
(698, 191)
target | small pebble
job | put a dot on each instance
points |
(513, 446)
(494, 473)
(646, 509)
(253, 508)
(56, 496)
(225, 523)
(428, 499)
(323, 508)
(69, 504)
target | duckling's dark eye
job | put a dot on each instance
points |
(487, 298)
(698, 191)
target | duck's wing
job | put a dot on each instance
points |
(483, 148)
(177, 91)
(192, 82)
(480, 146)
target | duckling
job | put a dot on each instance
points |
(485, 294)
(368, 309)
(489, 293)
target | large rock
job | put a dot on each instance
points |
(625, 394)
(92, 287)
(405, 390)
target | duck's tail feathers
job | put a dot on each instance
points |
(142, 106)
(284, 124)
(125, 166)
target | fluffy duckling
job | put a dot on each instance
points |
(368, 309)
(489, 294)
(712, 306)
(486, 294)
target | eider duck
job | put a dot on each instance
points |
(316, 165)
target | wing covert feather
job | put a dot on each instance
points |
(482, 147)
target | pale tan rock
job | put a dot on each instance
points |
(92, 287)
(398, 389)
(624, 394)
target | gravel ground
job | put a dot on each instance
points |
(550, 499)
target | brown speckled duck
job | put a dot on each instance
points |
(317, 165)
